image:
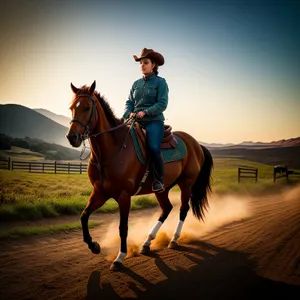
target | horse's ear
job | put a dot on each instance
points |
(92, 88)
(74, 88)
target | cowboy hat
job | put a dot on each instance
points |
(148, 53)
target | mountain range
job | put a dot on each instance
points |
(255, 145)
(19, 121)
(60, 119)
(65, 121)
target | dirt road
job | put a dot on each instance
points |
(248, 247)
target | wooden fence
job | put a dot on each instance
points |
(5, 163)
(43, 167)
(247, 172)
(280, 171)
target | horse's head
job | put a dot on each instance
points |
(83, 110)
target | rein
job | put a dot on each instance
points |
(109, 130)
(128, 121)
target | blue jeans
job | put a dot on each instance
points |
(154, 136)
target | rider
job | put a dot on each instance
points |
(147, 100)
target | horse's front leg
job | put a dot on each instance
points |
(124, 206)
(96, 200)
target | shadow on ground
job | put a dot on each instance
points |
(216, 274)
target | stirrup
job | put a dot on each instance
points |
(158, 187)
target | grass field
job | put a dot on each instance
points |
(16, 232)
(17, 153)
(21, 154)
(29, 196)
(225, 177)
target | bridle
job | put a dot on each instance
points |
(86, 134)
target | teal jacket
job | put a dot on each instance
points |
(149, 94)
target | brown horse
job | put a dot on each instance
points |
(115, 171)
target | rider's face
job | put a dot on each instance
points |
(146, 66)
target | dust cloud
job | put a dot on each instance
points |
(292, 194)
(222, 210)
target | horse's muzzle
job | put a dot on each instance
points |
(74, 139)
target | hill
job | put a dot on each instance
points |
(34, 149)
(282, 152)
(287, 143)
(19, 121)
(255, 145)
(275, 155)
(215, 145)
(60, 119)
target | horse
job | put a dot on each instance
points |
(115, 171)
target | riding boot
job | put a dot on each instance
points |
(158, 174)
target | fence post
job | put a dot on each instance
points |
(9, 162)
(68, 168)
(55, 167)
(30, 167)
(80, 168)
(249, 172)
(282, 170)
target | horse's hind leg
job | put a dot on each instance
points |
(96, 200)
(185, 197)
(166, 207)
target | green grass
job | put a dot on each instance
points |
(225, 178)
(30, 196)
(17, 153)
(33, 196)
(26, 231)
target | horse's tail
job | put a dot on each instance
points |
(202, 187)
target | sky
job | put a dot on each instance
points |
(232, 67)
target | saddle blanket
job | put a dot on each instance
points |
(169, 155)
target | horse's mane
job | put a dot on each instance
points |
(108, 111)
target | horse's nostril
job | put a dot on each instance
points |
(71, 137)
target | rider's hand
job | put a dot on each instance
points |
(141, 114)
(132, 115)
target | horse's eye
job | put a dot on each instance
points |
(86, 109)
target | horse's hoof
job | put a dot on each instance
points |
(173, 245)
(95, 248)
(145, 249)
(116, 266)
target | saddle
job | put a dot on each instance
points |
(168, 142)
(172, 146)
